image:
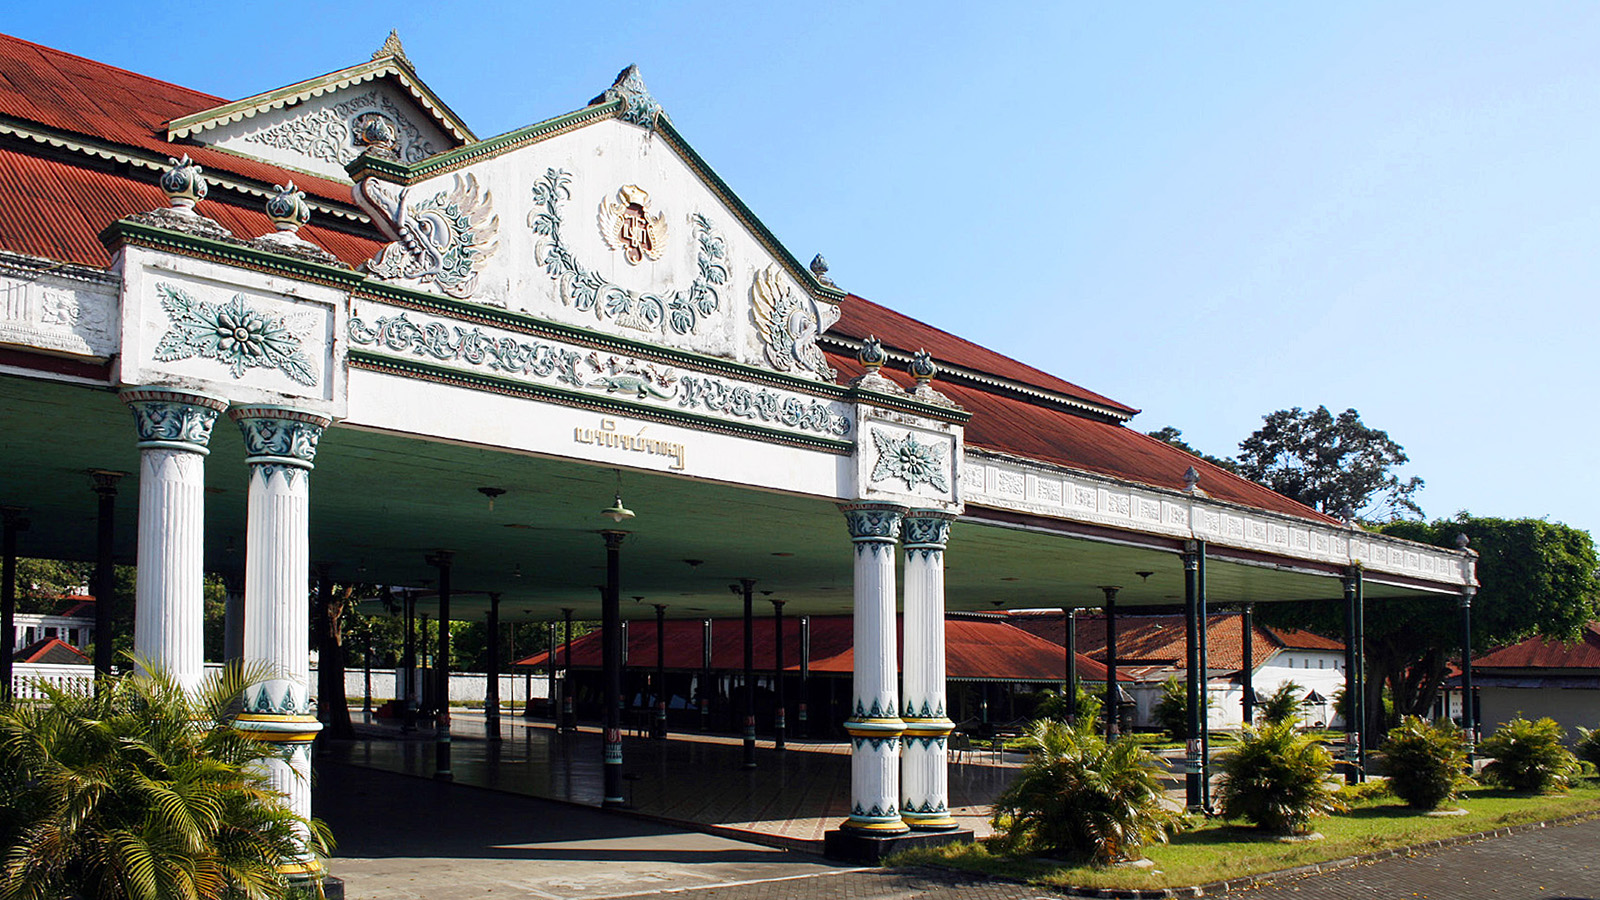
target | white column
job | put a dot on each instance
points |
(279, 445)
(874, 724)
(924, 776)
(169, 607)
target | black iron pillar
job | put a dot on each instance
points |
(779, 726)
(1352, 683)
(746, 587)
(1205, 678)
(611, 663)
(491, 690)
(1469, 718)
(660, 732)
(1247, 650)
(705, 677)
(11, 523)
(320, 633)
(569, 710)
(550, 645)
(805, 676)
(105, 569)
(1191, 624)
(366, 676)
(408, 696)
(1365, 731)
(1070, 641)
(442, 560)
(1113, 696)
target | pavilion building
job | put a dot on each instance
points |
(328, 327)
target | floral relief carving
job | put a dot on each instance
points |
(909, 460)
(234, 334)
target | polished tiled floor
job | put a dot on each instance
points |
(789, 799)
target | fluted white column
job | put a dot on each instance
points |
(924, 776)
(169, 612)
(279, 445)
(874, 724)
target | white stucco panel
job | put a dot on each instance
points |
(56, 313)
(604, 227)
(240, 334)
(906, 459)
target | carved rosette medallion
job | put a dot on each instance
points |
(175, 420)
(627, 225)
(234, 334)
(909, 460)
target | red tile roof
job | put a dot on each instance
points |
(72, 94)
(51, 651)
(1545, 653)
(1161, 640)
(975, 649)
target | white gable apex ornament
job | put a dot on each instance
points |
(319, 125)
(603, 219)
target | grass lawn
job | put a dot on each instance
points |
(1216, 850)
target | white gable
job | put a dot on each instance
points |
(319, 134)
(605, 227)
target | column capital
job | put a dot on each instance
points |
(873, 522)
(278, 436)
(927, 529)
(173, 419)
(105, 481)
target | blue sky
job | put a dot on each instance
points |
(1207, 213)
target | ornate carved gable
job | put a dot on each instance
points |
(604, 219)
(322, 125)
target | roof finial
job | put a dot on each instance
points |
(638, 106)
(924, 370)
(872, 356)
(392, 48)
(183, 184)
(819, 268)
(1191, 479)
(288, 211)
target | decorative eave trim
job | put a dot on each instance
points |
(127, 232)
(375, 362)
(451, 160)
(947, 371)
(143, 159)
(238, 110)
(34, 266)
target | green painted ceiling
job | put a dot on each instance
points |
(380, 503)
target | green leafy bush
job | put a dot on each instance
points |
(1277, 779)
(1427, 763)
(1528, 756)
(1081, 796)
(1281, 705)
(1171, 712)
(1054, 706)
(1588, 749)
(142, 790)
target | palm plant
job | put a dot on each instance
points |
(1079, 795)
(1528, 756)
(1281, 705)
(1588, 748)
(144, 791)
(1277, 779)
(1427, 763)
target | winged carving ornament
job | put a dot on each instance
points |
(627, 225)
(789, 322)
(444, 239)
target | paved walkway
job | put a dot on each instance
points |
(790, 799)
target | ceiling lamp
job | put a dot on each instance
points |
(491, 493)
(616, 512)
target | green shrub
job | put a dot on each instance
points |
(1528, 756)
(1171, 712)
(1277, 779)
(1081, 796)
(1282, 705)
(1426, 763)
(1588, 749)
(141, 789)
(1054, 706)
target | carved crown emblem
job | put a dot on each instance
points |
(627, 225)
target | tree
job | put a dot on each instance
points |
(1282, 705)
(1330, 464)
(1277, 779)
(1170, 435)
(1535, 578)
(139, 789)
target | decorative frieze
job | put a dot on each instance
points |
(584, 371)
(1003, 482)
(48, 311)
